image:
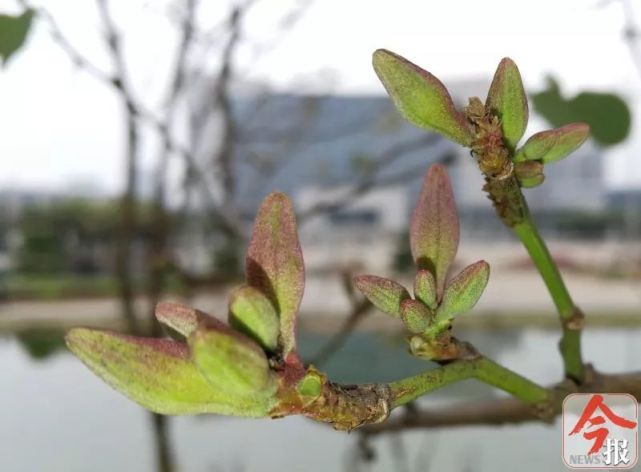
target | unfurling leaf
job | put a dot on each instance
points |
(385, 294)
(425, 288)
(420, 97)
(158, 374)
(184, 319)
(507, 100)
(555, 144)
(251, 312)
(529, 173)
(434, 229)
(463, 291)
(274, 263)
(231, 362)
(416, 316)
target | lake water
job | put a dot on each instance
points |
(56, 416)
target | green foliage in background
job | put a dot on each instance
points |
(59, 237)
(13, 33)
(607, 114)
(41, 343)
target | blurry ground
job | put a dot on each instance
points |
(601, 277)
(513, 297)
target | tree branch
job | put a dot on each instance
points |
(571, 317)
(158, 257)
(128, 216)
(229, 222)
(223, 157)
(361, 307)
(386, 158)
(76, 57)
(509, 410)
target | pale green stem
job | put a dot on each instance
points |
(570, 344)
(483, 369)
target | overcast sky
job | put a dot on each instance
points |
(61, 129)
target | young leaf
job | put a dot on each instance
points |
(555, 144)
(385, 294)
(536, 146)
(231, 363)
(311, 384)
(529, 173)
(274, 263)
(425, 288)
(158, 374)
(251, 312)
(463, 291)
(184, 319)
(434, 229)
(507, 100)
(416, 316)
(420, 97)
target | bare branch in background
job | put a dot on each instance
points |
(386, 158)
(229, 222)
(287, 23)
(158, 253)
(224, 155)
(337, 341)
(631, 34)
(76, 57)
(128, 215)
(129, 221)
(508, 410)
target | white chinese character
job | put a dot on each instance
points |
(616, 452)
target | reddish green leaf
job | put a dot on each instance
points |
(274, 263)
(420, 97)
(231, 362)
(158, 374)
(555, 144)
(425, 288)
(507, 100)
(536, 146)
(184, 319)
(434, 229)
(416, 316)
(251, 312)
(463, 291)
(385, 294)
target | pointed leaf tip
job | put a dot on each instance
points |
(420, 97)
(183, 318)
(385, 294)
(157, 373)
(507, 100)
(434, 229)
(274, 263)
(462, 293)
